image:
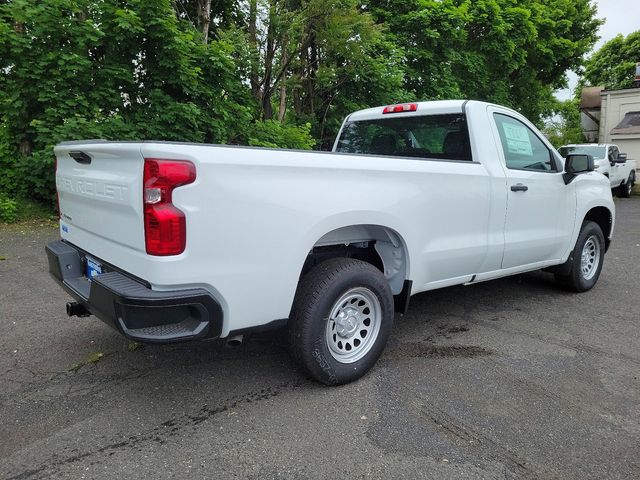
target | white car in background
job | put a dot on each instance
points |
(610, 162)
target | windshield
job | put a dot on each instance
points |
(434, 136)
(595, 152)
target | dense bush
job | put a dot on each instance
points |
(270, 133)
(8, 209)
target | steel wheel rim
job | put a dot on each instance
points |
(590, 258)
(353, 325)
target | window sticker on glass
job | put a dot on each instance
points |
(517, 138)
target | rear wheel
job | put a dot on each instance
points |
(341, 320)
(626, 188)
(586, 260)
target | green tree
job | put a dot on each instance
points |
(313, 61)
(564, 126)
(262, 72)
(75, 69)
(512, 53)
(613, 65)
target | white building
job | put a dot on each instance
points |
(613, 116)
(620, 120)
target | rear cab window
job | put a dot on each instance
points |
(444, 137)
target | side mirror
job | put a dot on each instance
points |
(576, 164)
(622, 158)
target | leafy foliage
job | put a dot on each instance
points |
(316, 61)
(613, 66)
(564, 126)
(77, 69)
(273, 134)
(277, 73)
(8, 209)
(511, 53)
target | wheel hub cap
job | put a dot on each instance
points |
(590, 258)
(353, 325)
(347, 322)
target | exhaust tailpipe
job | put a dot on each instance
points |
(75, 309)
(234, 341)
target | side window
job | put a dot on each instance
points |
(523, 149)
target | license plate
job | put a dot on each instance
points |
(93, 268)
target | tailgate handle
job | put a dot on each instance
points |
(81, 157)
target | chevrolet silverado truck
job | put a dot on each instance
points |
(170, 242)
(609, 161)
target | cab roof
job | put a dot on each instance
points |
(432, 107)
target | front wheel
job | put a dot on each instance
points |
(586, 260)
(626, 188)
(341, 320)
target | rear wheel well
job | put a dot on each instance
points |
(380, 246)
(601, 216)
(364, 251)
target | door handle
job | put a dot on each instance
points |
(519, 188)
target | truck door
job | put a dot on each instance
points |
(540, 206)
(616, 176)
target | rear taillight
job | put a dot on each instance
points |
(55, 178)
(405, 107)
(165, 226)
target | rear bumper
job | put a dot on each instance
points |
(130, 306)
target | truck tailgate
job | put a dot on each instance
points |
(100, 192)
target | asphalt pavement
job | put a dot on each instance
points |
(513, 378)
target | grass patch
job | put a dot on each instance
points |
(133, 346)
(75, 367)
(23, 210)
(92, 359)
(30, 210)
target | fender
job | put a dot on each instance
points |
(592, 191)
(354, 227)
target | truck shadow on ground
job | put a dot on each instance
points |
(434, 318)
(433, 327)
(443, 313)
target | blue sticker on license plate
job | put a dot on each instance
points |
(93, 268)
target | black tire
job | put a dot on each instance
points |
(577, 280)
(316, 298)
(626, 189)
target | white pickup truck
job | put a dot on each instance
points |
(610, 162)
(170, 242)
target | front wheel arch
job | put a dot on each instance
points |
(584, 267)
(625, 190)
(604, 218)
